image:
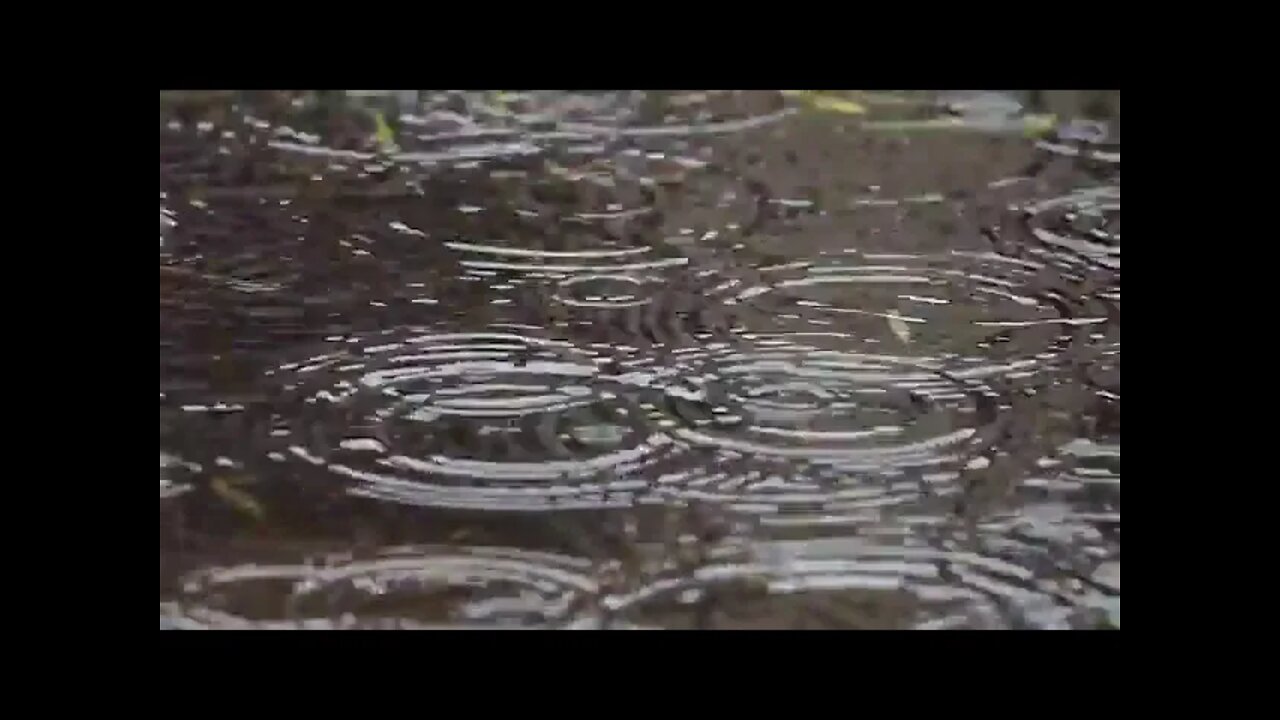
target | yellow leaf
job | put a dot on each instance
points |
(384, 135)
(832, 103)
(1035, 125)
(840, 105)
(237, 498)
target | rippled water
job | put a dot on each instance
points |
(638, 360)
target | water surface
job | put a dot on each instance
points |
(455, 359)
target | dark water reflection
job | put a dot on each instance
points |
(630, 360)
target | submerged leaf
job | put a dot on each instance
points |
(224, 488)
(899, 328)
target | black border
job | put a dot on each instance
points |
(642, 47)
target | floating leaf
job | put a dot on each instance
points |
(385, 137)
(840, 105)
(224, 488)
(899, 328)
